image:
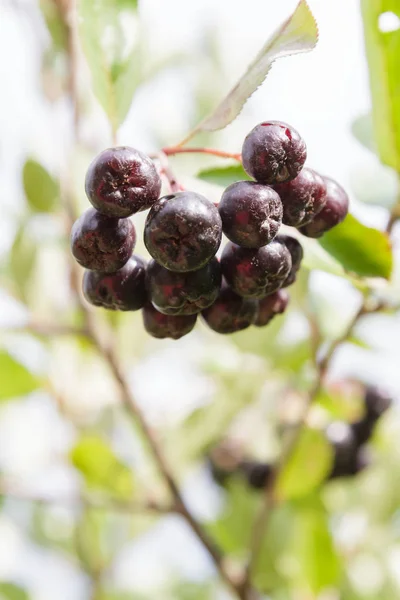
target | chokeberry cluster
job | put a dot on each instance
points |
(183, 233)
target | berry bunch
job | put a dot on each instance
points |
(183, 233)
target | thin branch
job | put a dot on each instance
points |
(395, 212)
(173, 150)
(47, 329)
(166, 170)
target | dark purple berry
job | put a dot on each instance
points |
(296, 252)
(122, 181)
(183, 293)
(230, 312)
(101, 243)
(341, 438)
(302, 198)
(166, 326)
(335, 210)
(223, 462)
(123, 290)
(256, 273)
(363, 430)
(183, 231)
(251, 213)
(257, 474)
(273, 152)
(270, 306)
(377, 401)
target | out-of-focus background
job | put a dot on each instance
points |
(62, 428)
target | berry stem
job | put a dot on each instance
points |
(173, 150)
(166, 170)
(394, 215)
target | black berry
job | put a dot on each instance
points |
(377, 401)
(296, 252)
(123, 290)
(102, 243)
(363, 430)
(335, 210)
(122, 181)
(302, 198)
(183, 293)
(256, 272)
(166, 326)
(183, 231)
(273, 152)
(257, 474)
(340, 436)
(230, 312)
(251, 213)
(270, 306)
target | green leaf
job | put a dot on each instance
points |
(10, 591)
(110, 50)
(15, 379)
(317, 258)
(22, 260)
(94, 458)
(52, 14)
(307, 467)
(363, 130)
(223, 176)
(383, 50)
(360, 249)
(299, 33)
(41, 189)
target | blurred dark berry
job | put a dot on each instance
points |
(123, 290)
(251, 213)
(230, 312)
(296, 252)
(257, 474)
(302, 198)
(363, 430)
(101, 243)
(166, 326)
(270, 306)
(183, 231)
(357, 462)
(341, 438)
(122, 181)
(255, 273)
(334, 212)
(273, 152)
(223, 461)
(183, 293)
(377, 401)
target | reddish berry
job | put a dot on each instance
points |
(166, 326)
(270, 306)
(334, 212)
(230, 312)
(302, 198)
(296, 252)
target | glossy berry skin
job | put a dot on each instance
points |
(257, 474)
(166, 326)
(334, 212)
(341, 437)
(273, 152)
(123, 290)
(101, 243)
(270, 306)
(251, 213)
(183, 293)
(183, 231)
(377, 401)
(230, 312)
(302, 198)
(122, 181)
(296, 252)
(256, 273)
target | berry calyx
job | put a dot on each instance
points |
(183, 231)
(166, 326)
(122, 181)
(102, 243)
(270, 306)
(273, 152)
(123, 290)
(302, 198)
(251, 213)
(230, 312)
(256, 273)
(183, 293)
(334, 212)
(296, 252)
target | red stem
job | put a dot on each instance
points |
(212, 151)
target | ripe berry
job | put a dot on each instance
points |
(341, 437)
(251, 213)
(296, 252)
(123, 290)
(230, 312)
(377, 401)
(183, 231)
(122, 181)
(270, 306)
(335, 210)
(302, 198)
(102, 243)
(256, 273)
(166, 326)
(257, 474)
(363, 430)
(183, 293)
(273, 152)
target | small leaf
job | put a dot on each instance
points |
(56, 25)
(317, 258)
(41, 190)
(299, 33)
(363, 130)
(10, 591)
(16, 380)
(22, 260)
(360, 249)
(307, 467)
(223, 176)
(94, 458)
